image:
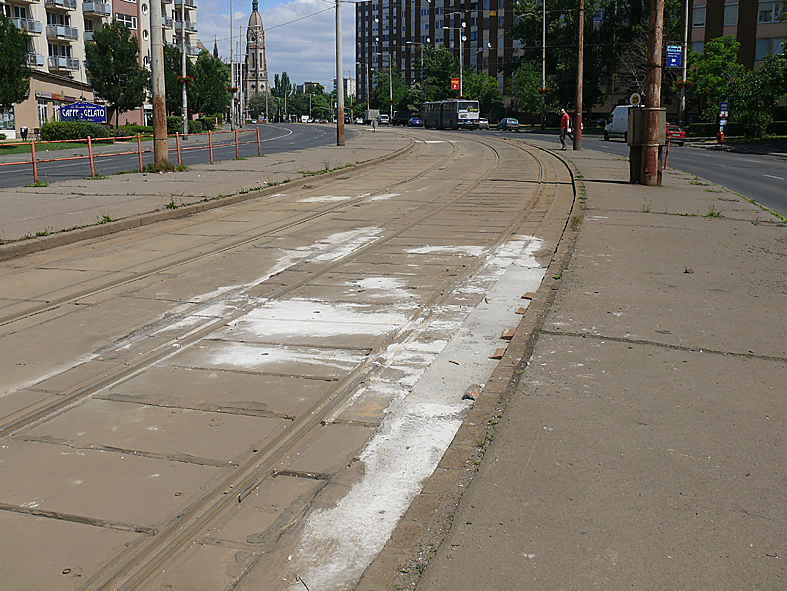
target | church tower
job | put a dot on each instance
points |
(256, 70)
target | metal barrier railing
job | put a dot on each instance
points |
(35, 161)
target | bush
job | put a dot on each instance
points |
(174, 125)
(778, 128)
(195, 127)
(208, 123)
(711, 129)
(72, 130)
(2, 136)
(132, 130)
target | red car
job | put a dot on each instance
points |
(676, 135)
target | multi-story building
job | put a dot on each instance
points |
(57, 32)
(349, 85)
(391, 34)
(757, 25)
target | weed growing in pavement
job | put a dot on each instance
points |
(39, 184)
(713, 191)
(713, 212)
(104, 219)
(171, 204)
(646, 207)
(575, 221)
(46, 232)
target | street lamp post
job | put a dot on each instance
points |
(544, 64)
(462, 38)
(422, 63)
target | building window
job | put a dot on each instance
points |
(698, 16)
(128, 20)
(731, 15)
(766, 47)
(770, 12)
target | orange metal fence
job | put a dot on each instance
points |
(35, 161)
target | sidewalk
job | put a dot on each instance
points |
(643, 447)
(109, 204)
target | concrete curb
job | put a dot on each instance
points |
(24, 247)
(429, 518)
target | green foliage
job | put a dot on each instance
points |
(195, 127)
(712, 71)
(208, 123)
(211, 78)
(478, 86)
(174, 125)
(386, 87)
(72, 130)
(14, 71)
(752, 102)
(112, 60)
(256, 105)
(132, 130)
(282, 86)
(440, 66)
(172, 70)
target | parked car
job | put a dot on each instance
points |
(384, 119)
(415, 122)
(676, 135)
(359, 120)
(483, 123)
(508, 124)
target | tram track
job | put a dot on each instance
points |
(149, 554)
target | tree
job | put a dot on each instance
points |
(173, 69)
(753, 94)
(712, 71)
(482, 88)
(112, 60)
(14, 71)
(211, 78)
(281, 85)
(381, 96)
(525, 84)
(440, 66)
(256, 105)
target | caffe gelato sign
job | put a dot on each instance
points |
(83, 111)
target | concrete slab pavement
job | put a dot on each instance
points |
(36, 217)
(643, 445)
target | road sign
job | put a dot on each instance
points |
(724, 106)
(635, 99)
(674, 56)
(454, 83)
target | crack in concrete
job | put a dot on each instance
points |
(560, 333)
(176, 457)
(117, 525)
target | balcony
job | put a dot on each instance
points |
(35, 60)
(168, 22)
(25, 24)
(63, 63)
(62, 4)
(62, 32)
(97, 9)
(192, 50)
(191, 27)
(27, 1)
(88, 36)
(189, 3)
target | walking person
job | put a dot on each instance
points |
(565, 128)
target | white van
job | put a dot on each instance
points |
(618, 125)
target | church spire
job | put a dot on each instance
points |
(254, 5)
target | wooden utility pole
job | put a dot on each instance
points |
(157, 79)
(650, 146)
(580, 75)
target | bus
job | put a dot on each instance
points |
(450, 114)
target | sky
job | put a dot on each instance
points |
(305, 49)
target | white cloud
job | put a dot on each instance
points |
(305, 49)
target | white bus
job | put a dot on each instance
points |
(450, 114)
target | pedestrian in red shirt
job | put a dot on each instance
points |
(565, 128)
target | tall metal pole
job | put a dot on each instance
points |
(339, 79)
(461, 61)
(232, 76)
(580, 75)
(390, 90)
(184, 112)
(682, 117)
(544, 64)
(650, 148)
(157, 79)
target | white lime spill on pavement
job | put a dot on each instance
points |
(423, 379)
(325, 199)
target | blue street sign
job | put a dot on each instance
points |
(84, 111)
(724, 106)
(674, 56)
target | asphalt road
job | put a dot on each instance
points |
(275, 138)
(755, 176)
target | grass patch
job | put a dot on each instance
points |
(575, 221)
(713, 212)
(39, 184)
(104, 219)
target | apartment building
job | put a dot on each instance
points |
(57, 32)
(391, 33)
(756, 24)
